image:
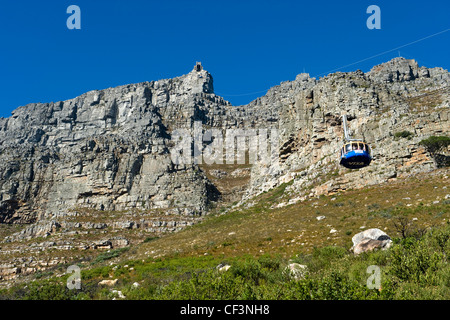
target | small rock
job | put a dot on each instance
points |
(217, 173)
(223, 268)
(119, 293)
(108, 283)
(119, 242)
(102, 244)
(297, 271)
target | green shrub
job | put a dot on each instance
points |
(403, 134)
(149, 239)
(250, 270)
(435, 144)
(270, 263)
(52, 290)
(110, 254)
(99, 272)
(417, 261)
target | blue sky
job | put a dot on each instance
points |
(248, 46)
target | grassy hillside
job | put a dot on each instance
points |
(259, 241)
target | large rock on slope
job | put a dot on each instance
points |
(369, 240)
(374, 233)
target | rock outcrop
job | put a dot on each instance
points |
(106, 150)
(369, 240)
(397, 96)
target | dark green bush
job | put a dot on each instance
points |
(403, 134)
(435, 144)
(421, 261)
(149, 239)
(110, 254)
(52, 290)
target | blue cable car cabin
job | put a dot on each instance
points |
(355, 155)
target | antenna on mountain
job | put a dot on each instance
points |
(198, 66)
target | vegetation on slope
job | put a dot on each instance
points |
(437, 147)
(261, 240)
(414, 268)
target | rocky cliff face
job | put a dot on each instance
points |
(100, 163)
(110, 149)
(394, 97)
(106, 150)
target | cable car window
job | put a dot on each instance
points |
(348, 148)
(354, 146)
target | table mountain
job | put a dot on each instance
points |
(100, 164)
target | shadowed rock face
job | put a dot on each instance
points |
(107, 150)
(110, 149)
(370, 244)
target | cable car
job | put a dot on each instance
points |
(355, 153)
